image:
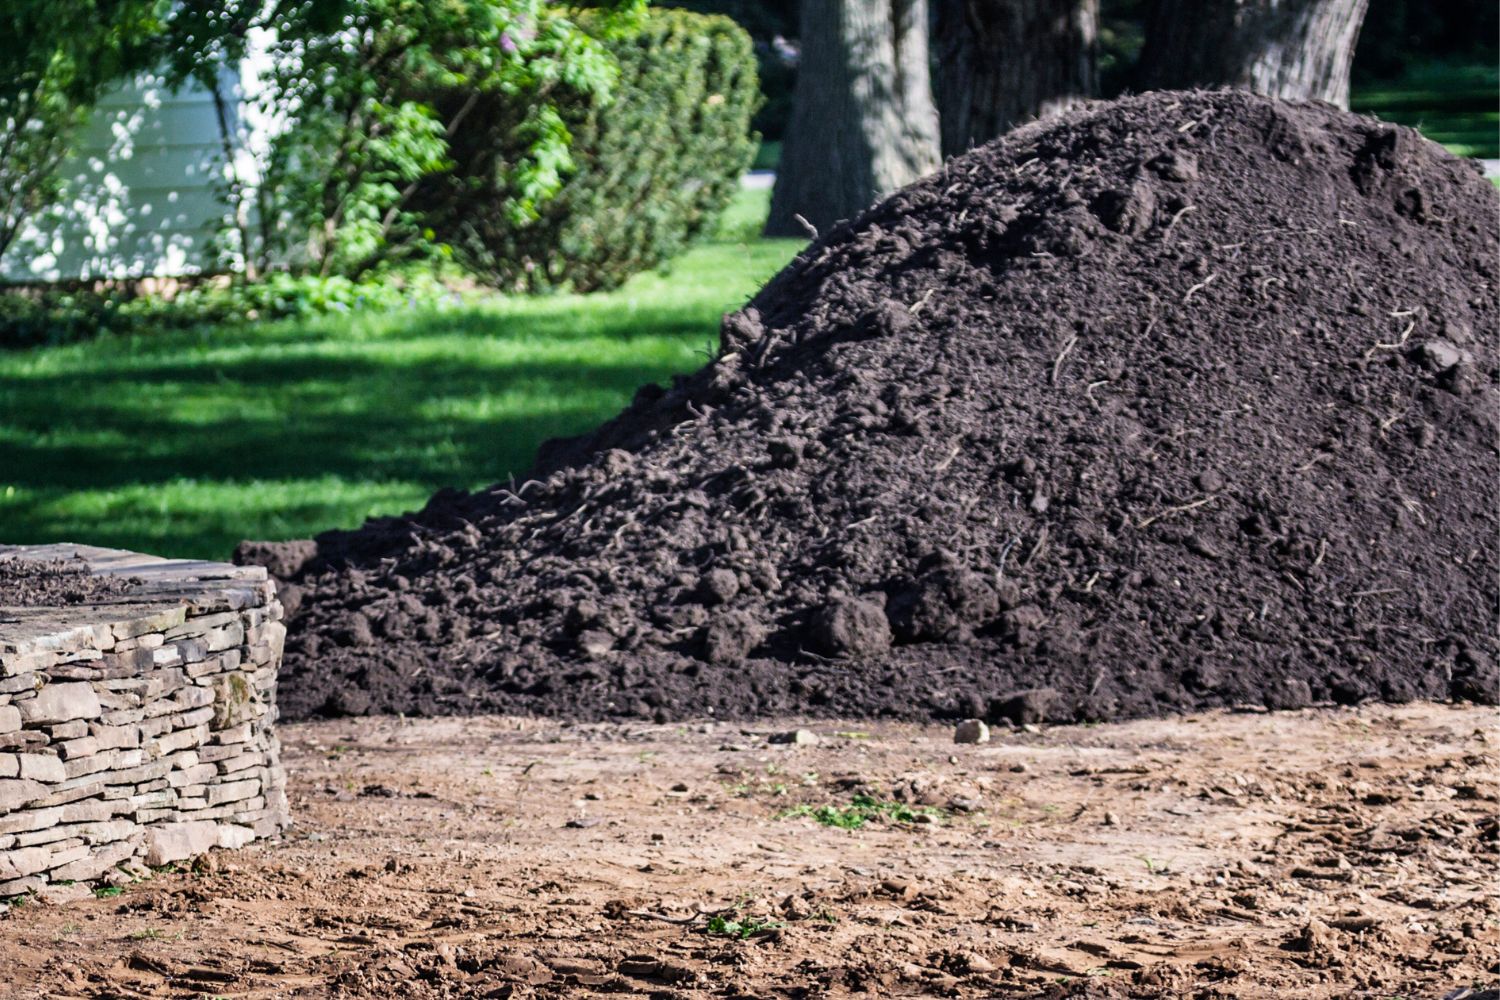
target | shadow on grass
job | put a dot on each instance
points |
(184, 442)
(451, 399)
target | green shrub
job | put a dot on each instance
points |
(654, 167)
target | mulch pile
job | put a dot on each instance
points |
(1179, 401)
(56, 583)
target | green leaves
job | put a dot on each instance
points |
(862, 810)
(591, 189)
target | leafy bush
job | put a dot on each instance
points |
(351, 144)
(655, 166)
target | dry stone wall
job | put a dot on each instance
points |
(138, 731)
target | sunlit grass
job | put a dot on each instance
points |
(1455, 105)
(183, 443)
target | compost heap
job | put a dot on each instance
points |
(1183, 400)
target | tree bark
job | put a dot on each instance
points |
(863, 121)
(1294, 49)
(1003, 62)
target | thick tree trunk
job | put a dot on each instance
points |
(1296, 49)
(1003, 62)
(863, 122)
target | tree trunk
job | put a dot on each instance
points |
(1003, 62)
(1295, 49)
(863, 122)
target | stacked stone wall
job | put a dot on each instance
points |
(138, 731)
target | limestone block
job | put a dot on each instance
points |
(169, 842)
(166, 656)
(17, 792)
(89, 811)
(72, 790)
(225, 638)
(19, 683)
(198, 774)
(159, 621)
(67, 856)
(21, 886)
(233, 836)
(31, 819)
(24, 861)
(51, 835)
(43, 767)
(202, 624)
(234, 734)
(233, 791)
(96, 863)
(60, 703)
(68, 730)
(115, 737)
(179, 740)
(84, 746)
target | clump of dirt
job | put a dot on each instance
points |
(49, 583)
(1184, 400)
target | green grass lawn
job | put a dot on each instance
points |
(184, 443)
(1456, 105)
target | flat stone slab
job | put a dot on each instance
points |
(168, 590)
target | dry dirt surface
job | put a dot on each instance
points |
(1320, 853)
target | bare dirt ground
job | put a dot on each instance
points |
(1323, 853)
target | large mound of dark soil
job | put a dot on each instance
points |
(1179, 401)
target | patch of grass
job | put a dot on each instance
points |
(740, 927)
(1156, 866)
(1457, 105)
(184, 442)
(108, 891)
(861, 810)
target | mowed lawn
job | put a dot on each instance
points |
(184, 443)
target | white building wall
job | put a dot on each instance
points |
(145, 191)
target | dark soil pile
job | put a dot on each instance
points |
(55, 583)
(1179, 401)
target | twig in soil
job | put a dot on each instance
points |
(1037, 549)
(1184, 210)
(943, 465)
(1398, 344)
(1200, 286)
(1062, 356)
(812, 230)
(1415, 508)
(1171, 511)
(1004, 555)
(916, 307)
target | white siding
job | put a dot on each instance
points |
(144, 191)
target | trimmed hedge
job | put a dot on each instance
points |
(655, 166)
